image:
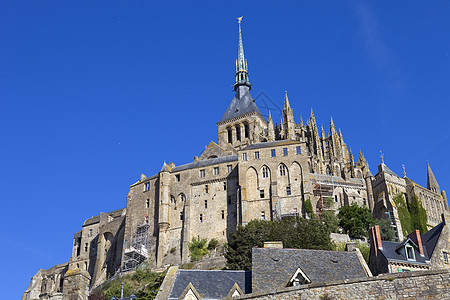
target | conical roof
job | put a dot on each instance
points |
(432, 184)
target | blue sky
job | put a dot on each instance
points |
(93, 93)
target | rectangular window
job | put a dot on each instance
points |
(216, 170)
(206, 203)
(257, 155)
(225, 186)
(445, 254)
(181, 216)
(263, 215)
(272, 153)
(146, 186)
(177, 178)
(285, 152)
(409, 252)
(202, 173)
(298, 150)
(229, 169)
(244, 156)
(261, 194)
(229, 199)
(147, 203)
(201, 218)
(85, 247)
(206, 189)
(223, 214)
(288, 190)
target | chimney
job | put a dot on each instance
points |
(278, 245)
(415, 237)
(378, 237)
(375, 239)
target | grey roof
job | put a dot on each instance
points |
(383, 168)
(96, 219)
(211, 284)
(206, 162)
(390, 251)
(240, 106)
(270, 144)
(431, 237)
(272, 268)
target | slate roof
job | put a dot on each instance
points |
(272, 268)
(238, 107)
(206, 162)
(270, 144)
(96, 219)
(211, 284)
(431, 237)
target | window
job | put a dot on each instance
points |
(181, 216)
(265, 172)
(282, 170)
(288, 190)
(263, 215)
(224, 185)
(409, 252)
(230, 135)
(298, 150)
(229, 169)
(223, 214)
(206, 189)
(285, 152)
(238, 132)
(147, 203)
(257, 155)
(90, 232)
(229, 199)
(246, 130)
(445, 254)
(206, 204)
(202, 173)
(244, 156)
(146, 186)
(85, 247)
(261, 194)
(335, 198)
(272, 153)
(216, 170)
(177, 178)
(201, 218)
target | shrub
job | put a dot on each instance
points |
(213, 244)
(198, 248)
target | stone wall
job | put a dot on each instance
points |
(408, 285)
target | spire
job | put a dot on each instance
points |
(432, 184)
(286, 101)
(271, 131)
(301, 120)
(332, 128)
(241, 63)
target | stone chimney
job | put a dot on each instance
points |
(278, 245)
(415, 237)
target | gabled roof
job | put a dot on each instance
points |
(211, 284)
(206, 162)
(270, 144)
(272, 268)
(391, 252)
(431, 237)
(240, 106)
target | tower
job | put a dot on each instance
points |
(242, 123)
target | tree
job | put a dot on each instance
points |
(387, 232)
(418, 215)
(330, 221)
(355, 220)
(198, 248)
(308, 208)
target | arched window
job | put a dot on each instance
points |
(246, 130)
(265, 172)
(238, 132)
(230, 135)
(282, 170)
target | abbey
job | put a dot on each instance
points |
(256, 170)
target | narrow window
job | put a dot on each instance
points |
(335, 198)
(229, 169)
(85, 247)
(229, 199)
(85, 265)
(265, 172)
(177, 178)
(181, 216)
(409, 252)
(216, 170)
(230, 135)
(445, 254)
(261, 194)
(90, 232)
(147, 203)
(246, 130)
(285, 152)
(225, 186)
(298, 150)
(282, 170)
(206, 189)
(202, 173)
(288, 190)
(263, 215)
(206, 203)
(238, 132)
(223, 214)
(272, 153)
(146, 186)
(244, 156)
(201, 218)
(257, 155)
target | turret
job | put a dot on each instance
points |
(164, 203)
(288, 119)
(270, 130)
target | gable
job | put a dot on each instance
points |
(213, 151)
(298, 278)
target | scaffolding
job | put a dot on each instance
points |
(323, 191)
(137, 253)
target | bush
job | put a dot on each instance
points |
(213, 244)
(198, 248)
(355, 220)
(308, 208)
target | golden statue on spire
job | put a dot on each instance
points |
(240, 19)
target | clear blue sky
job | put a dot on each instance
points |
(93, 93)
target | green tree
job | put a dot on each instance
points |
(198, 248)
(387, 232)
(355, 220)
(330, 221)
(418, 215)
(308, 208)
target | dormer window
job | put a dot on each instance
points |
(299, 278)
(409, 250)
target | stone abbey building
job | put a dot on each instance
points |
(256, 170)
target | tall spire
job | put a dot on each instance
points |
(432, 184)
(241, 63)
(286, 101)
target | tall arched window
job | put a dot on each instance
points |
(246, 130)
(282, 170)
(230, 135)
(265, 172)
(238, 132)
